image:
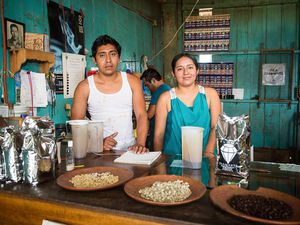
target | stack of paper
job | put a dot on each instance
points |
(133, 158)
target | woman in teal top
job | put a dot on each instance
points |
(187, 105)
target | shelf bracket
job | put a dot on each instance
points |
(20, 56)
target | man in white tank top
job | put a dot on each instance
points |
(111, 96)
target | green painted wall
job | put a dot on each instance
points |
(273, 23)
(254, 23)
(136, 24)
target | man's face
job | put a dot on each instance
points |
(149, 85)
(107, 59)
(14, 33)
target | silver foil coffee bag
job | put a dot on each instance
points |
(11, 150)
(233, 144)
(2, 164)
(38, 150)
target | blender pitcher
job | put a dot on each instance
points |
(95, 133)
(80, 137)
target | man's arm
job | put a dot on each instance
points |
(162, 109)
(151, 111)
(139, 109)
(80, 99)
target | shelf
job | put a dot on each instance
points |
(214, 75)
(232, 52)
(20, 56)
(256, 101)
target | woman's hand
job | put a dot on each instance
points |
(139, 149)
(209, 155)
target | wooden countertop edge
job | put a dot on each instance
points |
(24, 210)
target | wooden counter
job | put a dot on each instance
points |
(23, 204)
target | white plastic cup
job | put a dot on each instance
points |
(95, 133)
(79, 137)
(192, 139)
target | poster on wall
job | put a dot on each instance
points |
(66, 33)
(33, 89)
(59, 85)
(73, 72)
(273, 74)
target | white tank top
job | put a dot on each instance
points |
(115, 110)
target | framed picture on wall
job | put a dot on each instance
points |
(15, 34)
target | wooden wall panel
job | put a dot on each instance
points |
(242, 29)
(257, 28)
(257, 121)
(243, 74)
(254, 77)
(287, 125)
(289, 28)
(273, 28)
(271, 126)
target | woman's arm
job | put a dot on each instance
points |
(215, 110)
(162, 109)
(139, 110)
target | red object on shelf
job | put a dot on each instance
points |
(92, 72)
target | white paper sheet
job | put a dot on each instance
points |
(73, 72)
(133, 158)
(238, 93)
(273, 74)
(39, 92)
(48, 222)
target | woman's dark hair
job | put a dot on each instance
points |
(150, 73)
(104, 40)
(179, 56)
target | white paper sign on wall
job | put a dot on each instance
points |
(273, 74)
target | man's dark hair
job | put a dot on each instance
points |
(150, 73)
(104, 40)
(179, 56)
(13, 25)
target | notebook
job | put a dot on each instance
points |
(142, 159)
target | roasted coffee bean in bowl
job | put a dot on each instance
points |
(260, 206)
(263, 205)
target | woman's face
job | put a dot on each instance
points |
(185, 72)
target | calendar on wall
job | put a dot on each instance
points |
(207, 33)
(216, 75)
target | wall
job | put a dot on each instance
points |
(255, 24)
(136, 24)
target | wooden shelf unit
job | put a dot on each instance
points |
(20, 56)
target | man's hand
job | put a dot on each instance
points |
(109, 142)
(138, 149)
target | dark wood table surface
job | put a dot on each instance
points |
(24, 204)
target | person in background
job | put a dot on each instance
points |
(143, 63)
(111, 96)
(16, 40)
(153, 81)
(187, 105)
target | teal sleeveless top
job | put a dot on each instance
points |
(180, 115)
